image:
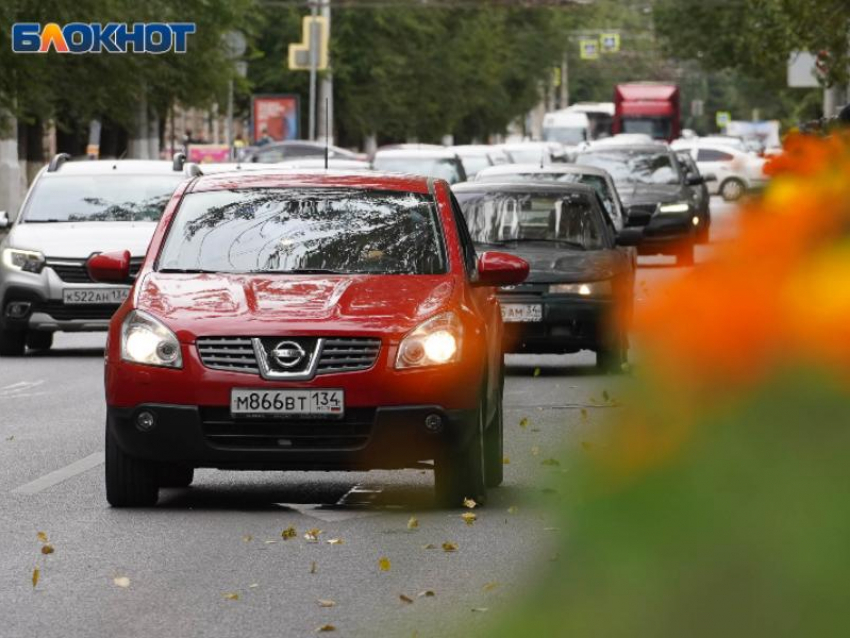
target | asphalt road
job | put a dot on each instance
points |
(188, 559)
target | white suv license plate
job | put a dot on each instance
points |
(91, 296)
(522, 312)
(294, 403)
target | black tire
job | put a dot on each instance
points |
(685, 256)
(12, 342)
(732, 189)
(494, 450)
(39, 340)
(611, 357)
(176, 476)
(130, 482)
(460, 475)
(703, 234)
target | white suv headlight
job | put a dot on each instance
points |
(589, 289)
(148, 341)
(25, 260)
(432, 343)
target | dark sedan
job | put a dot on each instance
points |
(657, 193)
(701, 196)
(578, 295)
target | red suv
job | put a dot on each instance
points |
(306, 321)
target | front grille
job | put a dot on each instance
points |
(349, 433)
(228, 353)
(338, 354)
(74, 271)
(62, 312)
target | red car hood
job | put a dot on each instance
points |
(254, 305)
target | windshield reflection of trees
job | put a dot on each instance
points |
(634, 168)
(500, 217)
(149, 210)
(278, 230)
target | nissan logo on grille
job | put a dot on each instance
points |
(288, 354)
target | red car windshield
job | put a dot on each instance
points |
(319, 230)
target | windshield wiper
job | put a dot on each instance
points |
(188, 271)
(44, 221)
(546, 240)
(299, 271)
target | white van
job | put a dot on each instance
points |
(566, 127)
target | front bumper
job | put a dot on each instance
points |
(366, 438)
(569, 324)
(46, 310)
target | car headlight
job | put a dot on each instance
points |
(148, 341)
(589, 289)
(432, 343)
(678, 207)
(25, 260)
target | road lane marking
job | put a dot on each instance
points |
(62, 474)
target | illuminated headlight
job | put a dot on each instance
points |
(147, 341)
(25, 260)
(695, 220)
(432, 343)
(678, 207)
(590, 289)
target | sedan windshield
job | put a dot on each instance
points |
(288, 230)
(447, 169)
(501, 217)
(101, 198)
(634, 166)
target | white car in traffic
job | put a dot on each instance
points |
(737, 171)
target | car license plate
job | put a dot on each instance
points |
(522, 312)
(296, 403)
(87, 296)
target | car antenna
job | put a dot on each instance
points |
(327, 132)
(542, 157)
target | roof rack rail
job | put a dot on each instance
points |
(178, 161)
(57, 161)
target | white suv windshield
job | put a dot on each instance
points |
(100, 198)
(304, 230)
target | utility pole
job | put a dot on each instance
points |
(326, 88)
(314, 62)
(565, 83)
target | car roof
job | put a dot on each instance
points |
(632, 148)
(295, 178)
(526, 144)
(428, 153)
(475, 149)
(112, 167)
(554, 169)
(524, 187)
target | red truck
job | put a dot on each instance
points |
(648, 107)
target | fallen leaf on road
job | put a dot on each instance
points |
(535, 451)
(536, 372)
(313, 568)
(513, 509)
(35, 574)
(405, 599)
(468, 518)
(231, 596)
(605, 395)
(10, 438)
(247, 538)
(326, 603)
(429, 546)
(42, 537)
(523, 422)
(324, 628)
(552, 462)
(312, 536)
(583, 414)
(121, 581)
(468, 503)
(384, 564)
(449, 547)
(335, 541)
(490, 586)
(253, 585)
(506, 460)
(428, 593)
(288, 533)
(47, 549)
(480, 609)
(412, 523)
(270, 542)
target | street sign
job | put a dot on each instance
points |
(802, 70)
(610, 42)
(723, 118)
(589, 49)
(314, 36)
(697, 108)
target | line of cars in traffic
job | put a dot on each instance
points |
(285, 316)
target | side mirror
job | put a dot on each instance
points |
(709, 177)
(694, 180)
(501, 269)
(4, 220)
(629, 237)
(110, 268)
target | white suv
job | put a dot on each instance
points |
(74, 210)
